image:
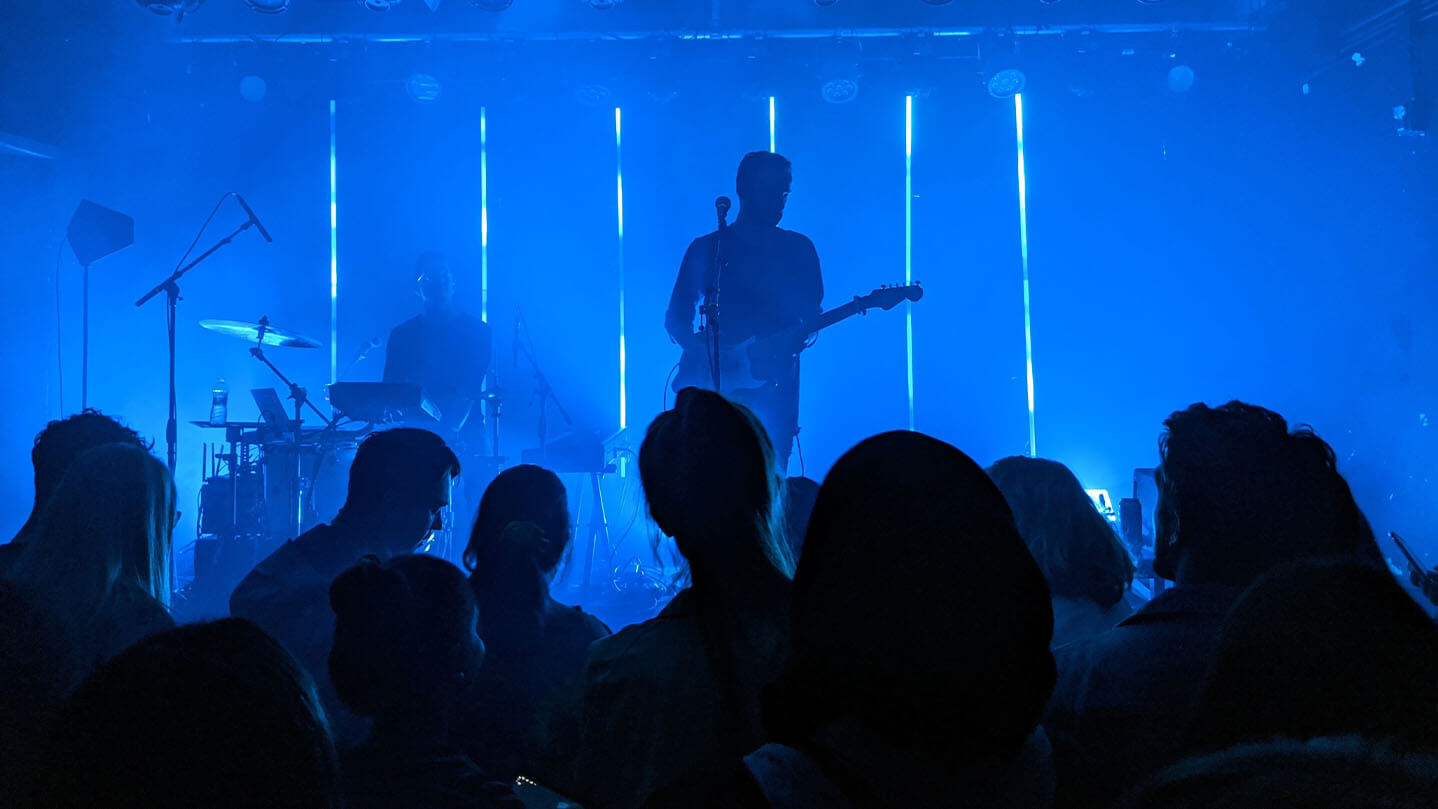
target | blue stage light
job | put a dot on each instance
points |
(334, 257)
(909, 247)
(1007, 82)
(483, 214)
(1024, 258)
(423, 87)
(771, 125)
(619, 208)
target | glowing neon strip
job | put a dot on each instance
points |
(1024, 255)
(334, 259)
(771, 124)
(909, 246)
(619, 201)
(483, 215)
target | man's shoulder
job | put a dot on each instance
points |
(287, 567)
(473, 323)
(703, 242)
(795, 237)
(1157, 651)
(407, 328)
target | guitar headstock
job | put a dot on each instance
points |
(888, 296)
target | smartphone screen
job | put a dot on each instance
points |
(537, 796)
(1407, 552)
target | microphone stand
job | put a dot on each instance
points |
(171, 288)
(546, 395)
(709, 311)
(598, 521)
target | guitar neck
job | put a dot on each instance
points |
(825, 320)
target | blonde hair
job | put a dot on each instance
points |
(108, 524)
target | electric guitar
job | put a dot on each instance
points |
(736, 362)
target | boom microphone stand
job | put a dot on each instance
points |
(171, 288)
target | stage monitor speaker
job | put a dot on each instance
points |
(96, 231)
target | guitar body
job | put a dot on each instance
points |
(736, 369)
(759, 360)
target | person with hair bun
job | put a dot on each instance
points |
(399, 488)
(405, 654)
(514, 722)
(670, 697)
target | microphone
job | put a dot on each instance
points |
(721, 207)
(514, 346)
(367, 348)
(254, 219)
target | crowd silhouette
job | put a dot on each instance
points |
(915, 630)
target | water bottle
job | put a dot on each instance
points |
(220, 404)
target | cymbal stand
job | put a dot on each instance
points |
(493, 409)
(302, 400)
(598, 523)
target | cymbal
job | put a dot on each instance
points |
(250, 332)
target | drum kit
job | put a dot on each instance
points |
(273, 479)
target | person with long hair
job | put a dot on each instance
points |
(100, 560)
(668, 698)
(920, 656)
(405, 654)
(1087, 568)
(537, 646)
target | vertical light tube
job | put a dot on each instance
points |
(483, 215)
(334, 259)
(909, 246)
(619, 208)
(1024, 257)
(771, 125)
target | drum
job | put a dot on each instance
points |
(304, 484)
(233, 505)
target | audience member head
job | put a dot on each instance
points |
(763, 184)
(917, 610)
(1239, 493)
(799, 496)
(107, 525)
(399, 486)
(405, 647)
(1075, 547)
(436, 281)
(524, 493)
(1322, 649)
(213, 715)
(710, 477)
(520, 535)
(1346, 773)
(61, 442)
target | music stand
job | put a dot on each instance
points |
(94, 232)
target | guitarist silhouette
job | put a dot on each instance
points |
(770, 282)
